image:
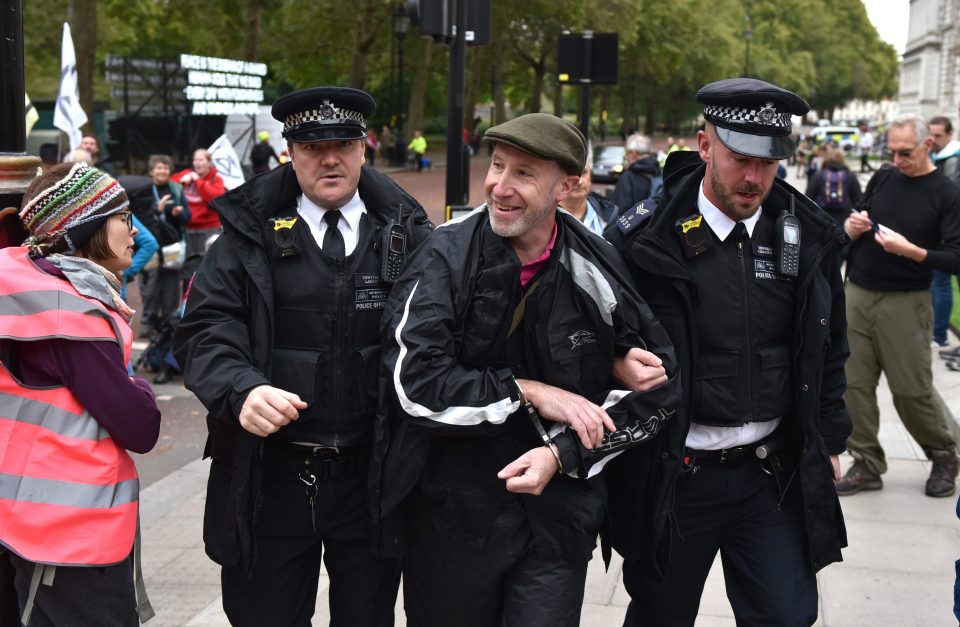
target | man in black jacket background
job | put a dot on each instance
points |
(743, 271)
(641, 178)
(280, 342)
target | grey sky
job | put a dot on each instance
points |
(891, 18)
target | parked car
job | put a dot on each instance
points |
(608, 163)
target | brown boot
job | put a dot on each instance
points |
(856, 479)
(943, 475)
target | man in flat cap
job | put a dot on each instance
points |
(500, 339)
(280, 342)
(743, 271)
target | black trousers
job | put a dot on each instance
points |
(733, 510)
(282, 590)
(80, 595)
(449, 582)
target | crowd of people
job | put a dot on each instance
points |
(673, 369)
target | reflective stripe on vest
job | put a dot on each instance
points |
(68, 492)
(35, 305)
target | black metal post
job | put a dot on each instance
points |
(585, 84)
(389, 150)
(457, 193)
(16, 172)
(13, 121)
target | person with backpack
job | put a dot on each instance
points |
(642, 178)
(834, 188)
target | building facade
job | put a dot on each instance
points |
(930, 69)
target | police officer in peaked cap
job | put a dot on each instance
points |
(280, 343)
(743, 271)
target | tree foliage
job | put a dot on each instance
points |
(826, 50)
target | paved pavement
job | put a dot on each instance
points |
(897, 572)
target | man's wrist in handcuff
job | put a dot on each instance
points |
(524, 401)
(556, 454)
(527, 405)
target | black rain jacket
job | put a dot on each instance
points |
(641, 482)
(225, 340)
(448, 319)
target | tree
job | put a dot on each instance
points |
(422, 53)
(366, 28)
(668, 50)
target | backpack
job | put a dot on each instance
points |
(833, 190)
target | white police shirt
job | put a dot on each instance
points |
(349, 224)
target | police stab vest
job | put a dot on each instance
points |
(68, 492)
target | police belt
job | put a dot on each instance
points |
(325, 461)
(758, 451)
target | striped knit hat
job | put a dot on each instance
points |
(63, 217)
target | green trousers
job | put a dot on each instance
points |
(889, 332)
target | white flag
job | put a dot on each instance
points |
(69, 115)
(32, 116)
(227, 163)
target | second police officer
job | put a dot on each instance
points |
(743, 272)
(280, 343)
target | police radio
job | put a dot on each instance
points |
(788, 238)
(393, 249)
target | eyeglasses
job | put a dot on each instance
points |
(906, 154)
(126, 216)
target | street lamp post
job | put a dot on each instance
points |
(17, 169)
(401, 22)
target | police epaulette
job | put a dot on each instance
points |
(637, 215)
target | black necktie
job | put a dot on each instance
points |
(332, 238)
(739, 233)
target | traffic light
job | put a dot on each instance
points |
(603, 58)
(436, 19)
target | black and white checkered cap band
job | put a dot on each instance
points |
(328, 113)
(765, 116)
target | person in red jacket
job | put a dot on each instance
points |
(201, 185)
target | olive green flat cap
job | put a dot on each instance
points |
(543, 136)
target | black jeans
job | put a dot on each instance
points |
(283, 587)
(505, 582)
(733, 510)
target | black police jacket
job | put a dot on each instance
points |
(641, 482)
(455, 405)
(225, 340)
